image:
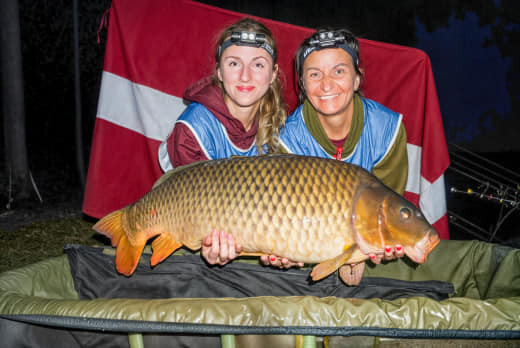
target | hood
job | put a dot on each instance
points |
(206, 93)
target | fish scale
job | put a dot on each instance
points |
(306, 209)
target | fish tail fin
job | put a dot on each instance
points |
(128, 252)
(162, 247)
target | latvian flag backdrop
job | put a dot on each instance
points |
(156, 48)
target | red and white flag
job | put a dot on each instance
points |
(155, 49)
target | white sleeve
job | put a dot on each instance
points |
(164, 158)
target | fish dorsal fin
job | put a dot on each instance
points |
(327, 267)
(162, 247)
(169, 173)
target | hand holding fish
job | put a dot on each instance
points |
(219, 248)
(351, 274)
(390, 254)
(282, 262)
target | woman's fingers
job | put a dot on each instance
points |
(390, 253)
(219, 248)
(281, 262)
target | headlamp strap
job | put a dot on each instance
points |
(247, 38)
(329, 39)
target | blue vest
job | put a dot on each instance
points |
(380, 129)
(209, 132)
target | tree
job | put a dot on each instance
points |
(13, 102)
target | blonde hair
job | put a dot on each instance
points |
(271, 111)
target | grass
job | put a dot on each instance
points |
(43, 239)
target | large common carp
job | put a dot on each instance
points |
(307, 209)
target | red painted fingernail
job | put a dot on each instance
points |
(273, 258)
(372, 256)
(398, 248)
(388, 249)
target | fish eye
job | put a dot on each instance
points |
(405, 213)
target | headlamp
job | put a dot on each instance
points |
(329, 39)
(247, 38)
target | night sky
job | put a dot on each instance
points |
(470, 78)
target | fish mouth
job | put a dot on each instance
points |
(420, 250)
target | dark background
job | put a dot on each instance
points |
(473, 46)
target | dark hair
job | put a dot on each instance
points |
(350, 39)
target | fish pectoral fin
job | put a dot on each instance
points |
(325, 268)
(163, 246)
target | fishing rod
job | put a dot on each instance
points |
(470, 228)
(494, 183)
(481, 158)
(497, 198)
(477, 167)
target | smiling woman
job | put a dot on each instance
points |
(246, 74)
(335, 122)
(236, 112)
(330, 82)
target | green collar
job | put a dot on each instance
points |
(316, 129)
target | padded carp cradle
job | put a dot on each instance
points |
(45, 305)
(40, 305)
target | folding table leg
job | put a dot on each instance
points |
(135, 339)
(227, 341)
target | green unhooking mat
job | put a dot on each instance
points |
(465, 290)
